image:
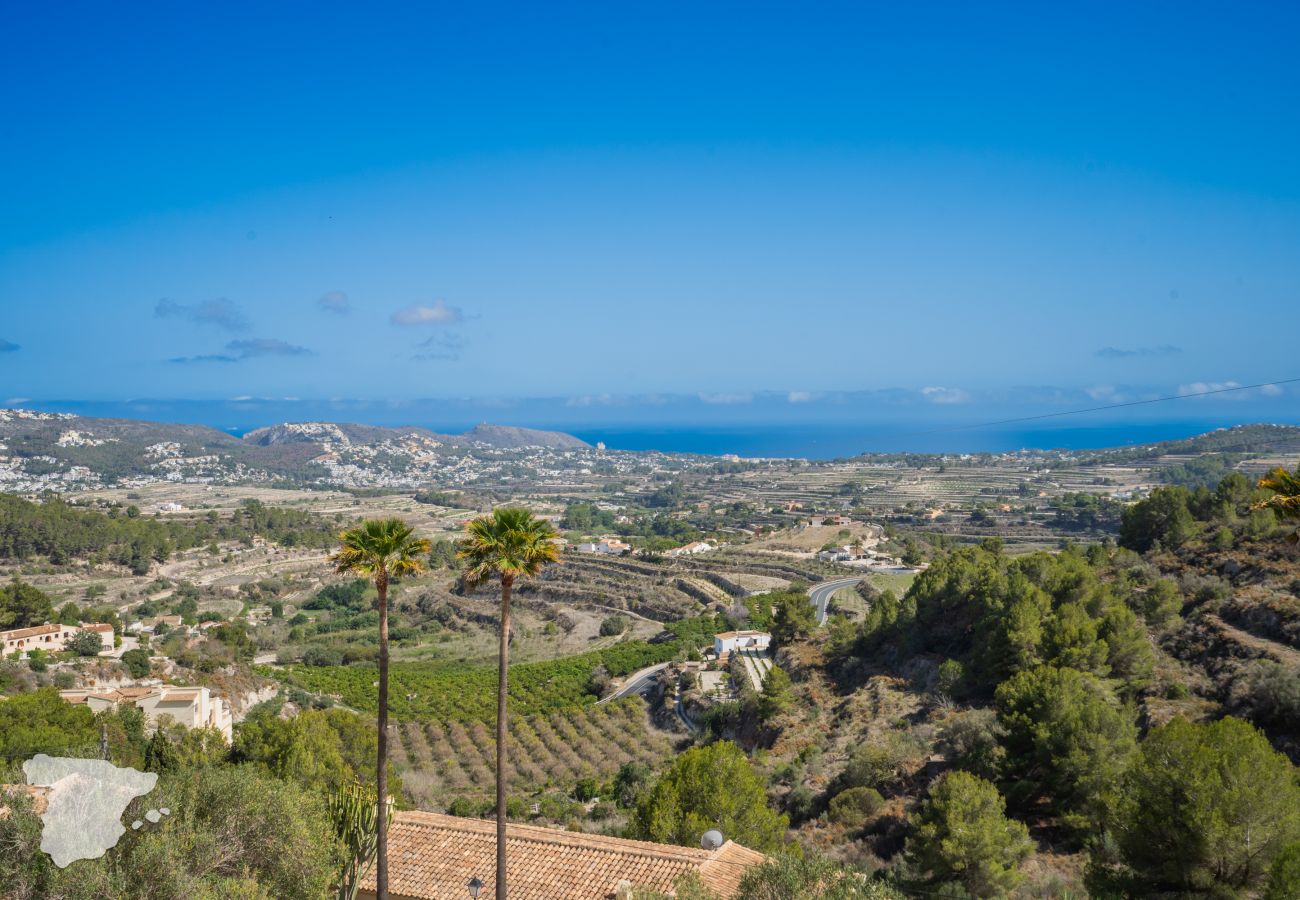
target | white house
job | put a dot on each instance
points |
(729, 641)
(818, 521)
(105, 632)
(47, 637)
(51, 638)
(192, 707)
(839, 554)
(691, 549)
(605, 545)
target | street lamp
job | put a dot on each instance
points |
(711, 840)
(475, 887)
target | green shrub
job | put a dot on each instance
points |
(881, 761)
(856, 806)
(1223, 539)
(322, 656)
(951, 675)
(85, 643)
(137, 663)
(613, 625)
(800, 803)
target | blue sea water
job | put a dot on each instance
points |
(836, 441)
(757, 435)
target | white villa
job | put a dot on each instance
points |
(605, 545)
(192, 707)
(728, 641)
(52, 638)
(691, 549)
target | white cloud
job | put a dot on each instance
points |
(437, 314)
(335, 302)
(1106, 392)
(1228, 390)
(1219, 388)
(590, 400)
(801, 397)
(725, 399)
(945, 396)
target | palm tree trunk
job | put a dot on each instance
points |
(381, 770)
(503, 664)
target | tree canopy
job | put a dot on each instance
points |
(22, 606)
(709, 787)
(1205, 806)
(961, 834)
(1067, 739)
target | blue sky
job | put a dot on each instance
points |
(954, 210)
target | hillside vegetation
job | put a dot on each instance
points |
(1073, 684)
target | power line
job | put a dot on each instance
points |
(1078, 412)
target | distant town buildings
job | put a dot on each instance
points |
(193, 707)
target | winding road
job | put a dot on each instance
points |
(642, 681)
(637, 682)
(821, 594)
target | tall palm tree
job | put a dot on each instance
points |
(381, 550)
(509, 544)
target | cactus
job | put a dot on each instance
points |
(353, 810)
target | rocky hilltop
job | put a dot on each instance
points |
(326, 433)
(500, 437)
(508, 437)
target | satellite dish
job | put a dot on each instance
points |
(711, 840)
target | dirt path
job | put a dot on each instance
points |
(1276, 651)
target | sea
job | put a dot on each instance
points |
(756, 436)
(822, 442)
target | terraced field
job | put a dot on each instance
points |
(440, 761)
(757, 665)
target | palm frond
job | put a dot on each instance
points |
(511, 542)
(375, 544)
(1285, 500)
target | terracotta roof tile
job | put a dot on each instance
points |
(34, 631)
(434, 856)
(170, 695)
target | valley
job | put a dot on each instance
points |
(886, 585)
